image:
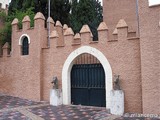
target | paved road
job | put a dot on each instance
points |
(14, 108)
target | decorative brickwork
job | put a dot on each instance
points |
(135, 59)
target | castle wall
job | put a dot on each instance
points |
(30, 76)
(136, 60)
(150, 56)
(21, 75)
(18, 77)
(114, 10)
(115, 51)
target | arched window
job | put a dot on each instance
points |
(25, 46)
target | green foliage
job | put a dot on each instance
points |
(21, 5)
(6, 31)
(3, 16)
(86, 12)
(60, 9)
(75, 14)
(20, 15)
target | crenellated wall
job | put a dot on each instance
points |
(143, 21)
(135, 59)
(21, 75)
(30, 76)
(114, 10)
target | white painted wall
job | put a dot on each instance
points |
(4, 2)
(154, 2)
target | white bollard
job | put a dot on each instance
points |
(55, 97)
(117, 102)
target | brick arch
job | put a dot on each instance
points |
(66, 80)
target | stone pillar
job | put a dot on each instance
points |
(6, 49)
(26, 22)
(51, 21)
(68, 37)
(59, 29)
(55, 97)
(122, 29)
(117, 102)
(103, 33)
(86, 35)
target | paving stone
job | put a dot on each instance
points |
(13, 115)
(14, 108)
(12, 102)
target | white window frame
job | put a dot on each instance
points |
(22, 37)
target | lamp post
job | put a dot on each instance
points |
(137, 15)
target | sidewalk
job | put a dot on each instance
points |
(14, 108)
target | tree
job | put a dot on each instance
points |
(59, 8)
(75, 14)
(21, 5)
(86, 12)
(19, 8)
(6, 31)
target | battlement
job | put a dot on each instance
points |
(62, 35)
(121, 32)
(27, 70)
